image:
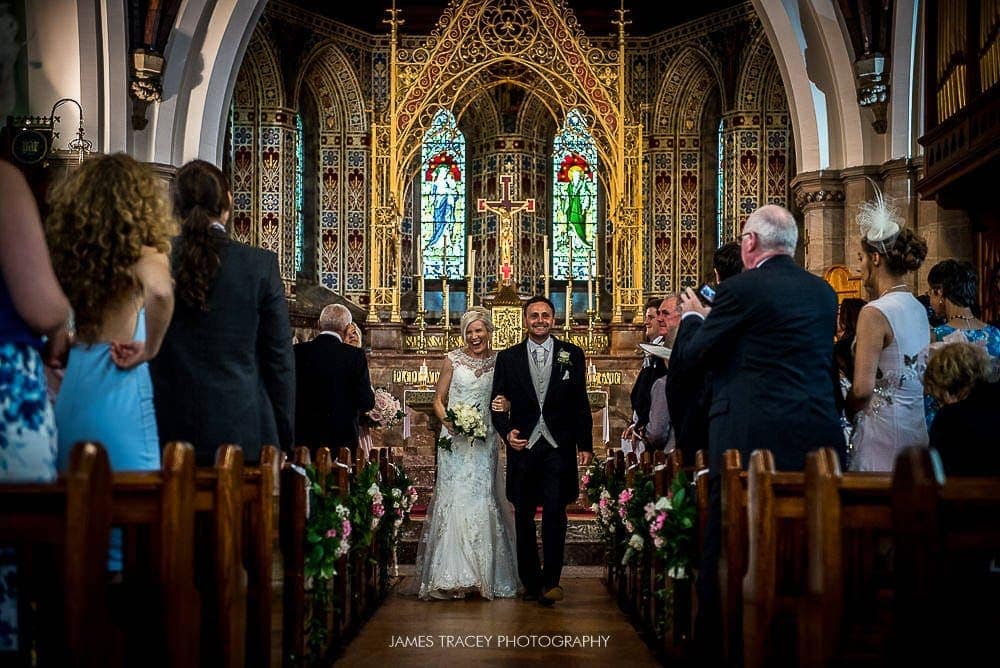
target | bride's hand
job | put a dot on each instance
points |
(500, 404)
(449, 426)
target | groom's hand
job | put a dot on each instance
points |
(585, 458)
(515, 441)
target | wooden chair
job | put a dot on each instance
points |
(292, 538)
(161, 570)
(849, 526)
(774, 586)
(733, 557)
(73, 517)
(947, 562)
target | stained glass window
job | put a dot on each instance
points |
(574, 201)
(442, 194)
(300, 170)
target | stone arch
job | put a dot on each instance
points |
(812, 55)
(259, 83)
(690, 65)
(205, 47)
(328, 64)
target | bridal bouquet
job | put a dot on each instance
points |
(387, 411)
(468, 421)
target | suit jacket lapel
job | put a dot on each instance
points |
(554, 371)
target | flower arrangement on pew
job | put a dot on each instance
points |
(367, 506)
(328, 538)
(398, 499)
(671, 522)
(632, 503)
(602, 494)
(387, 411)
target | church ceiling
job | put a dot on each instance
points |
(595, 16)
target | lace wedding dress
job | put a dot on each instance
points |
(467, 544)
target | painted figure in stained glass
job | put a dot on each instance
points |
(574, 205)
(442, 218)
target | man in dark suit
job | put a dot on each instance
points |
(548, 421)
(767, 341)
(333, 385)
(225, 373)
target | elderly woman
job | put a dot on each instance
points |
(966, 426)
(467, 544)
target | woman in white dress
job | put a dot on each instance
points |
(467, 544)
(892, 334)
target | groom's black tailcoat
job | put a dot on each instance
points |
(566, 410)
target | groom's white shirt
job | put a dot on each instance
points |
(540, 377)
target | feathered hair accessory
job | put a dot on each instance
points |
(878, 220)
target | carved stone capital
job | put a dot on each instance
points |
(146, 84)
(818, 189)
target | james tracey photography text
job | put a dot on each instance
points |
(500, 641)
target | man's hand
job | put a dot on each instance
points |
(629, 432)
(515, 441)
(585, 458)
(691, 303)
(57, 349)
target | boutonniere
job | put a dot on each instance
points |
(562, 359)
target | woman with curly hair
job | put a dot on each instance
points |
(108, 231)
(225, 373)
(892, 331)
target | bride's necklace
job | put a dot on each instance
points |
(891, 288)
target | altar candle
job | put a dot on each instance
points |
(420, 260)
(545, 255)
(472, 263)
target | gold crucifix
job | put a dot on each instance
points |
(505, 208)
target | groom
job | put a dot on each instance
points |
(544, 380)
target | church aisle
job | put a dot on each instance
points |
(585, 629)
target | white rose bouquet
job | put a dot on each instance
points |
(468, 421)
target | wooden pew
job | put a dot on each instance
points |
(219, 498)
(774, 586)
(733, 557)
(73, 517)
(947, 563)
(701, 497)
(159, 573)
(259, 487)
(292, 538)
(849, 529)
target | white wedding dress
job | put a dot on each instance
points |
(467, 543)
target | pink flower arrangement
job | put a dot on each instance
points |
(387, 411)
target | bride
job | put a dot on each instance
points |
(467, 544)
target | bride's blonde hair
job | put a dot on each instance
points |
(472, 315)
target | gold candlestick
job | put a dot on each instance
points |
(420, 320)
(597, 295)
(591, 348)
(569, 309)
(445, 315)
(470, 283)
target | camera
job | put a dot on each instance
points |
(706, 293)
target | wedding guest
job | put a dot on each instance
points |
(887, 393)
(32, 308)
(225, 373)
(968, 421)
(365, 422)
(652, 368)
(843, 349)
(108, 230)
(334, 387)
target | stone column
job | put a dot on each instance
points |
(857, 189)
(948, 232)
(820, 197)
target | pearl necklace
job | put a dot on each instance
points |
(891, 288)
